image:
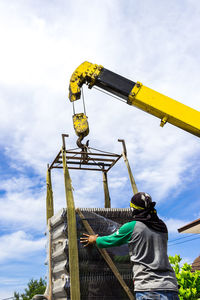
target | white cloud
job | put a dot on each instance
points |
(42, 111)
(174, 224)
(117, 181)
(18, 245)
(39, 57)
(9, 285)
(23, 203)
(41, 45)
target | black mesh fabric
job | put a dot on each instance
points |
(96, 278)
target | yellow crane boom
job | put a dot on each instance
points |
(136, 94)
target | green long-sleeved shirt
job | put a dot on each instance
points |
(121, 236)
(148, 253)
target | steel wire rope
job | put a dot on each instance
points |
(75, 154)
(72, 149)
(109, 94)
(66, 158)
(83, 101)
(98, 164)
(103, 151)
(72, 156)
(73, 106)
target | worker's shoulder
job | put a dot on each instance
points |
(129, 226)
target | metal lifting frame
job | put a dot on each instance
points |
(84, 160)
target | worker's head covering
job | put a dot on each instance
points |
(144, 211)
(141, 201)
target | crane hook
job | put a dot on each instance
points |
(80, 145)
(82, 129)
(83, 147)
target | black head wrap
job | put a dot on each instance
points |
(144, 211)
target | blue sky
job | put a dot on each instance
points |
(42, 42)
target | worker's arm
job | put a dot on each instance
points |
(136, 94)
(118, 238)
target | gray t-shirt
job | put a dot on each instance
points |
(148, 253)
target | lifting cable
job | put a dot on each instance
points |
(83, 100)
(109, 94)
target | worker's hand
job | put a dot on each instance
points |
(88, 239)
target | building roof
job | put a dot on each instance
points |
(196, 264)
(193, 227)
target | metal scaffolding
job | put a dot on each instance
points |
(81, 159)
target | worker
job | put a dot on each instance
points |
(147, 237)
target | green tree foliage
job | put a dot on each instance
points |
(188, 281)
(34, 287)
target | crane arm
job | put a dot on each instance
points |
(136, 94)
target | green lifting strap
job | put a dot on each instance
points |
(72, 234)
(49, 197)
(132, 180)
(106, 191)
